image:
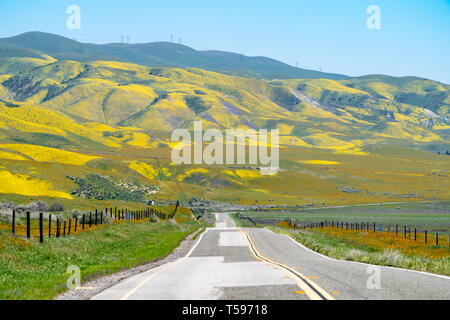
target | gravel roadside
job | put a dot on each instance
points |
(93, 287)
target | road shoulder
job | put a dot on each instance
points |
(93, 287)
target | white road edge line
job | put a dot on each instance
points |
(363, 263)
(167, 266)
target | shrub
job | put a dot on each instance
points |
(87, 216)
(34, 206)
(5, 205)
(284, 98)
(103, 188)
(354, 254)
(196, 104)
(154, 218)
(56, 207)
(391, 257)
(6, 216)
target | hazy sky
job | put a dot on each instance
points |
(328, 34)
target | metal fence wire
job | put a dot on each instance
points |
(47, 226)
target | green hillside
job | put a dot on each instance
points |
(360, 140)
(161, 54)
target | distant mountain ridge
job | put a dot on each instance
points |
(162, 54)
(381, 137)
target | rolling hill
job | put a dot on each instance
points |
(159, 54)
(70, 110)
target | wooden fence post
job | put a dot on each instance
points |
(14, 222)
(57, 227)
(49, 226)
(437, 239)
(82, 222)
(396, 230)
(76, 224)
(70, 226)
(90, 219)
(28, 226)
(426, 236)
(101, 216)
(64, 233)
(41, 227)
(96, 217)
(415, 234)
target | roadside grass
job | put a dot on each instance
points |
(430, 215)
(202, 230)
(355, 247)
(29, 270)
(384, 241)
(240, 223)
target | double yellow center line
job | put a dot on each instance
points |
(311, 289)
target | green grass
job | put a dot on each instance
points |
(198, 233)
(35, 271)
(241, 223)
(425, 215)
(346, 249)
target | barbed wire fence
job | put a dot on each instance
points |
(49, 225)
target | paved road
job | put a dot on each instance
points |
(249, 264)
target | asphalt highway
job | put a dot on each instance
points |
(229, 263)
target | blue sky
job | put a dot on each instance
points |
(327, 34)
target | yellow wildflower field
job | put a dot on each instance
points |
(44, 154)
(25, 185)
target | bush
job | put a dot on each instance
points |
(34, 206)
(354, 254)
(391, 257)
(154, 218)
(284, 98)
(6, 216)
(103, 188)
(5, 205)
(87, 217)
(56, 207)
(196, 104)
